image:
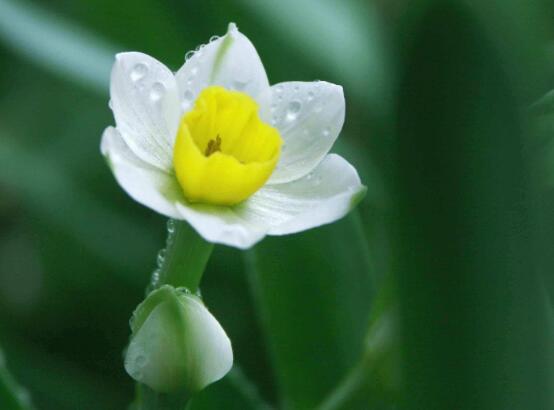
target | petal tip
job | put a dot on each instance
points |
(358, 196)
(232, 28)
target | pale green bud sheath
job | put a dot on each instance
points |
(176, 344)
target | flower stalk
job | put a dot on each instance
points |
(181, 264)
(183, 261)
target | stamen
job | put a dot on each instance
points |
(213, 146)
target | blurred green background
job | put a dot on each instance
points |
(76, 253)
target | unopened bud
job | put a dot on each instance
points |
(176, 343)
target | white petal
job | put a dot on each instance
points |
(309, 117)
(210, 351)
(146, 184)
(146, 107)
(224, 225)
(326, 194)
(230, 61)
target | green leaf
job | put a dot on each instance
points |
(313, 293)
(55, 44)
(474, 315)
(12, 396)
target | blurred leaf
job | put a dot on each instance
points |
(313, 293)
(52, 194)
(57, 383)
(343, 36)
(235, 391)
(12, 397)
(56, 44)
(473, 310)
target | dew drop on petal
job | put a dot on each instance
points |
(326, 132)
(138, 72)
(193, 71)
(110, 104)
(188, 95)
(157, 91)
(310, 96)
(240, 84)
(278, 89)
(213, 38)
(189, 55)
(293, 109)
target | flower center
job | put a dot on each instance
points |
(223, 151)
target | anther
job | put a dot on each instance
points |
(213, 146)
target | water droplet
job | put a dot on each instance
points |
(188, 95)
(193, 71)
(213, 38)
(318, 108)
(161, 257)
(310, 96)
(279, 89)
(140, 360)
(138, 72)
(157, 91)
(189, 54)
(170, 226)
(198, 293)
(240, 84)
(309, 176)
(296, 88)
(326, 132)
(184, 291)
(110, 104)
(293, 109)
(318, 180)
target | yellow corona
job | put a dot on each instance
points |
(223, 151)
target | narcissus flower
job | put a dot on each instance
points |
(217, 146)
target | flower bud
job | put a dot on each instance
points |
(176, 343)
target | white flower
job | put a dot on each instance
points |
(293, 185)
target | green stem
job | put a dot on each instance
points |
(180, 264)
(183, 261)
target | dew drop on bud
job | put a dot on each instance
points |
(138, 72)
(140, 361)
